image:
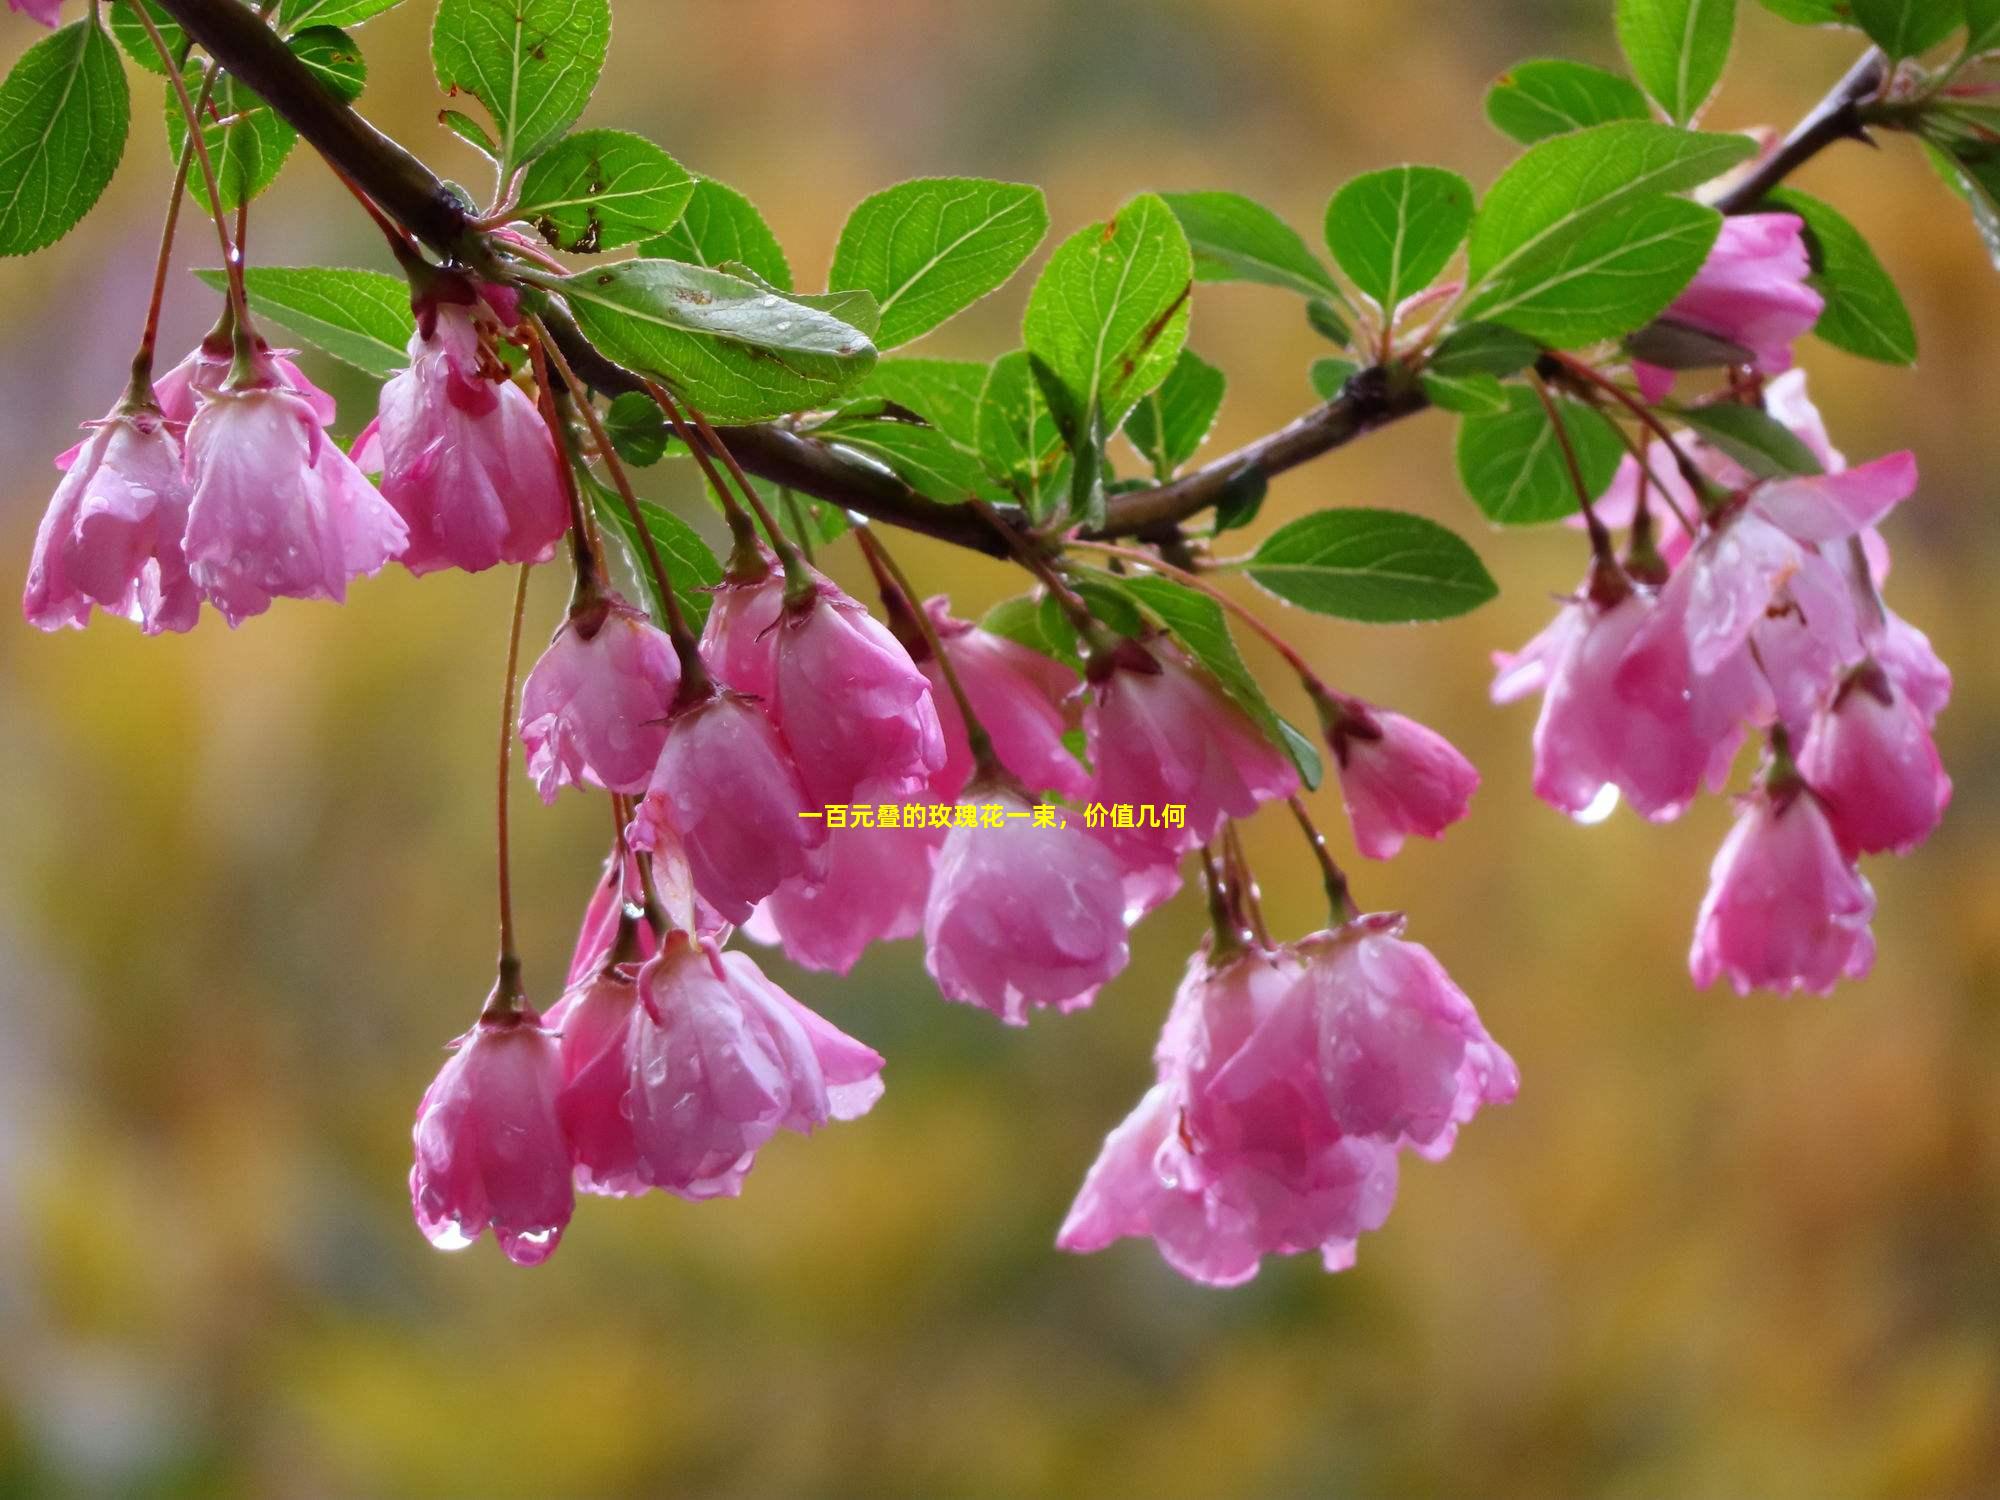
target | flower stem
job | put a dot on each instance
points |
(1704, 491)
(1608, 583)
(741, 528)
(509, 995)
(142, 362)
(1340, 903)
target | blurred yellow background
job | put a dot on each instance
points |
(1720, 1247)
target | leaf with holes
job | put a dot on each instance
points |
(1864, 312)
(1677, 49)
(1377, 566)
(64, 114)
(599, 189)
(1549, 96)
(931, 248)
(1512, 465)
(1170, 423)
(720, 225)
(1235, 238)
(532, 63)
(360, 317)
(1393, 231)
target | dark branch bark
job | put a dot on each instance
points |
(1837, 117)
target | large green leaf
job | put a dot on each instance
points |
(1379, 566)
(931, 248)
(1171, 421)
(1864, 312)
(64, 114)
(720, 225)
(1903, 28)
(1235, 238)
(361, 317)
(690, 564)
(1392, 231)
(736, 351)
(1017, 436)
(532, 63)
(138, 43)
(598, 189)
(1550, 96)
(1511, 463)
(1677, 49)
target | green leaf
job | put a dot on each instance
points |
(333, 58)
(638, 429)
(1982, 26)
(942, 459)
(1758, 441)
(1377, 566)
(1812, 12)
(727, 346)
(1549, 96)
(923, 457)
(1109, 312)
(1560, 195)
(132, 36)
(691, 565)
(1972, 169)
(1903, 28)
(1512, 463)
(1616, 276)
(1393, 231)
(294, 15)
(64, 114)
(1242, 497)
(1674, 345)
(532, 63)
(468, 130)
(599, 189)
(1677, 49)
(360, 317)
(1235, 238)
(1016, 436)
(1329, 375)
(931, 248)
(1471, 393)
(1170, 423)
(718, 225)
(1325, 320)
(1864, 312)
(1024, 621)
(1197, 622)
(944, 392)
(1483, 349)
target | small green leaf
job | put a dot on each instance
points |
(730, 348)
(1677, 49)
(1864, 312)
(1512, 463)
(1674, 345)
(1549, 96)
(718, 225)
(294, 15)
(360, 317)
(1471, 393)
(1241, 499)
(1812, 12)
(132, 36)
(1329, 375)
(1235, 238)
(1171, 422)
(1016, 436)
(64, 114)
(1483, 349)
(1023, 621)
(1393, 231)
(532, 63)
(691, 565)
(1325, 320)
(637, 429)
(1377, 566)
(1972, 169)
(468, 130)
(1109, 312)
(931, 248)
(1197, 622)
(334, 59)
(1903, 28)
(1762, 444)
(599, 189)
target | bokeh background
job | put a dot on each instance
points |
(1720, 1247)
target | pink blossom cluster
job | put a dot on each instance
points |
(1758, 609)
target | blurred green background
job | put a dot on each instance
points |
(1720, 1247)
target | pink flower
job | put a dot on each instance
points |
(600, 1018)
(1018, 697)
(873, 889)
(1401, 1052)
(594, 709)
(853, 706)
(1785, 910)
(1162, 733)
(1905, 653)
(112, 534)
(726, 783)
(1871, 760)
(721, 1060)
(277, 509)
(1022, 913)
(1396, 777)
(489, 1149)
(205, 372)
(740, 640)
(464, 455)
(1751, 291)
(48, 12)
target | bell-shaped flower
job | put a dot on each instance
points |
(112, 535)
(1914, 667)
(277, 510)
(1750, 291)
(1019, 697)
(739, 641)
(205, 372)
(1786, 909)
(1872, 762)
(465, 457)
(1397, 777)
(599, 1019)
(490, 1151)
(853, 706)
(722, 1060)
(1024, 910)
(594, 709)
